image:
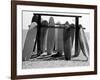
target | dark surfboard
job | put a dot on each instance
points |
(67, 41)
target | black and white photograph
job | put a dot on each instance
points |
(55, 39)
(52, 40)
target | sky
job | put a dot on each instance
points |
(84, 20)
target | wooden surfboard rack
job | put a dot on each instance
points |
(39, 29)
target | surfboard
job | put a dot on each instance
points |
(59, 39)
(29, 42)
(72, 32)
(67, 41)
(43, 35)
(50, 37)
(79, 49)
(83, 42)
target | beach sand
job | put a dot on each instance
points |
(54, 62)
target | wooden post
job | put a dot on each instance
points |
(38, 34)
(76, 36)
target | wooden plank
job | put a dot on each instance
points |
(57, 15)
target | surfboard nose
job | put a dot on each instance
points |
(67, 25)
(44, 23)
(51, 21)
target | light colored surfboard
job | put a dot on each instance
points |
(59, 39)
(29, 42)
(50, 37)
(72, 32)
(73, 38)
(67, 41)
(43, 35)
(83, 42)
